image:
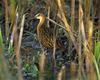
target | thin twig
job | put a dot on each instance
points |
(56, 23)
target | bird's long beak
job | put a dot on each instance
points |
(35, 17)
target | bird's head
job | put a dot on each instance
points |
(40, 16)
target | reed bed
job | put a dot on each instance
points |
(23, 58)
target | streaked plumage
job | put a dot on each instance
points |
(45, 34)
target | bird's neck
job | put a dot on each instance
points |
(41, 22)
(40, 27)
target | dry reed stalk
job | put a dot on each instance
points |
(56, 23)
(42, 59)
(17, 44)
(80, 36)
(18, 48)
(48, 14)
(74, 71)
(89, 45)
(12, 10)
(54, 48)
(72, 13)
(62, 73)
(6, 18)
(86, 49)
(89, 53)
(90, 35)
(60, 4)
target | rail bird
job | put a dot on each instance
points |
(45, 34)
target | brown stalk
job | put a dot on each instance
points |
(54, 49)
(42, 59)
(62, 73)
(6, 18)
(86, 49)
(80, 36)
(67, 26)
(17, 44)
(18, 49)
(48, 15)
(72, 13)
(73, 70)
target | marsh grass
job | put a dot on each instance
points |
(19, 62)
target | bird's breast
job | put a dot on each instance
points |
(45, 38)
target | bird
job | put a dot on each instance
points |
(45, 35)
